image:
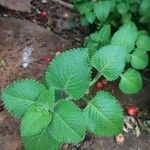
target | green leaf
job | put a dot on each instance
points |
(142, 32)
(46, 99)
(34, 121)
(126, 18)
(103, 115)
(102, 9)
(21, 95)
(123, 8)
(131, 82)
(143, 43)
(124, 37)
(90, 17)
(95, 37)
(67, 124)
(84, 21)
(144, 8)
(110, 61)
(139, 59)
(105, 34)
(85, 7)
(70, 72)
(41, 141)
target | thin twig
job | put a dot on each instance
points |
(63, 3)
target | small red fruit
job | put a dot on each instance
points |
(43, 14)
(104, 81)
(99, 85)
(132, 110)
(47, 58)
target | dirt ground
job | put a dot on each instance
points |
(29, 33)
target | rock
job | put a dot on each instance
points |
(17, 5)
(20, 39)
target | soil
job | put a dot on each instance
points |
(42, 36)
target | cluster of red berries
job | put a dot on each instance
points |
(101, 84)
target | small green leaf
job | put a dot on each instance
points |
(102, 9)
(41, 141)
(110, 61)
(139, 59)
(131, 82)
(85, 7)
(90, 17)
(103, 115)
(143, 43)
(95, 37)
(142, 32)
(67, 124)
(70, 72)
(144, 8)
(105, 34)
(124, 37)
(84, 21)
(123, 8)
(46, 99)
(126, 18)
(21, 95)
(34, 121)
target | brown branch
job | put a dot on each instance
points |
(63, 3)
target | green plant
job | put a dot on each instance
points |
(49, 113)
(102, 11)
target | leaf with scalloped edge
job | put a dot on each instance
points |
(46, 99)
(139, 59)
(34, 121)
(67, 125)
(110, 61)
(70, 72)
(131, 82)
(104, 115)
(21, 95)
(125, 36)
(102, 10)
(143, 42)
(41, 141)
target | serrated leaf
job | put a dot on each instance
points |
(95, 37)
(131, 82)
(105, 34)
(67, 124)
(123, 8)
(41, 141)
(46, 99)
(142, 32)
(124, 37)
(85, 7)
(139, 59)
(70, 72)
(103, 115)
(102, 9)
(144, 8)
(143, 43)
(90, 17)
(110, 61)
(34, 121)
(21, 95)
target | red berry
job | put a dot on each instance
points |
(43, 14)
(99, 85)
(132, 110)
(47, 58)
(104, 81)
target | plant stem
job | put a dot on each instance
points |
(95, 79)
